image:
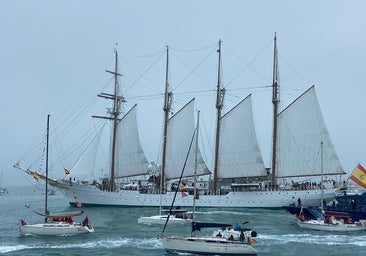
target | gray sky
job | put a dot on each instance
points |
(54, 53)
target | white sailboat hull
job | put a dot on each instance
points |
(321, 226)
(207, 246)
(55, 229)
(161, 219)
(91, 196)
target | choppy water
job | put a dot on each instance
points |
(117, 231)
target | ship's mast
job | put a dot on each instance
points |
(114, 117)
(167, 106)
(220, 93)
(275, 102)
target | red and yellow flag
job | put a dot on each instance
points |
(183, 190)
(359, 176)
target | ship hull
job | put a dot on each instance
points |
(91, 196)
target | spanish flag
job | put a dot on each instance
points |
(359, 176)
(36, 175)
(67, 172)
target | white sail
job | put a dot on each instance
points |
(181, 128)
(301, 130)
(239, 153)
(130, 156)
(83, 169)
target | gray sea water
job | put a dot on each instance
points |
(118, 233)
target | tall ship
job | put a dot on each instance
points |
(239, 177)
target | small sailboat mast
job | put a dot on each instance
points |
(322, 171)
(220, 93)
(275, 102)
(46, 194)
(195, 171)
(166, 108)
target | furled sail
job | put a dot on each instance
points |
(83, 169)
(301, 130)
(239, 153)
(181, 128)
(130, 156)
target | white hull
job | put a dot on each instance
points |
(92, 196)
(207, 246)
(161, 219)
(321, 226)
(54, 229)
(3, 191)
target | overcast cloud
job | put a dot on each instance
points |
(53, 52)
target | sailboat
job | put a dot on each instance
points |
(3, 190)
(176, 216)
(240, 178)
(56, 224)
(322, 220)
(349, 202)
(332, 226)
(330, 221)
(227, 240)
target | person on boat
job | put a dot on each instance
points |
(231, 238)
(299, 203)
(327, 219)
(353, 205)
(185, 216)
(241, 238)
(68, 220)
(86, 221)
(219, 235)
(302, 217)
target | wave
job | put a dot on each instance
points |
(151, 243)
(319, 239)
